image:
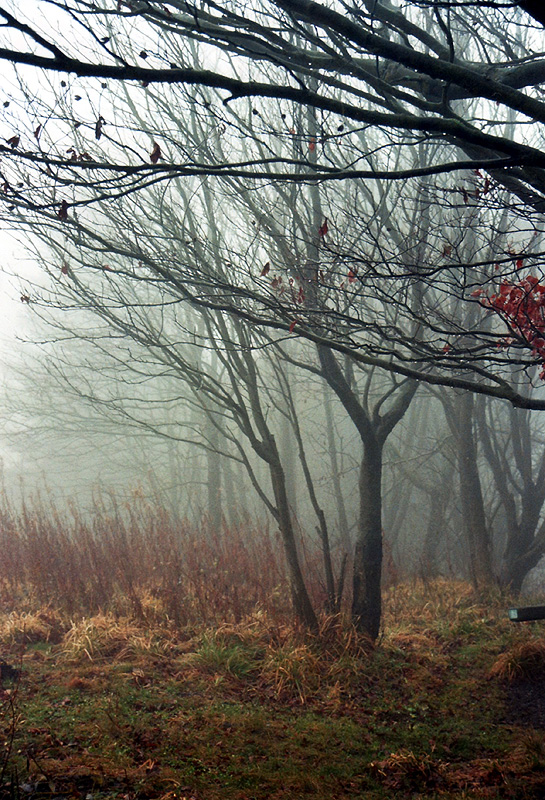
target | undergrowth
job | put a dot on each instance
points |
(144, 659)
(134, 559)
(112, 706)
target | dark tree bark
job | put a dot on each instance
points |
(342, 516)
(367, 596)
(471, 497)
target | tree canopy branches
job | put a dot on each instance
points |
(397, 150)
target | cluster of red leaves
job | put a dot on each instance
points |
(522, 306)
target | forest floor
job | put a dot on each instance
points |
(450, 703)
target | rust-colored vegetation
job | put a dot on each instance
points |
(152, 659)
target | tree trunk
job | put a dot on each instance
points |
(476, 530)
(299, 595)
(287, 448)
(513, 575)
(233, 500)
(342, 516)
(213, 483)
(435, 532)
(366, 598)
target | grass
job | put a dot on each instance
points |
(116, 707)
(182, 676)
(523, 660)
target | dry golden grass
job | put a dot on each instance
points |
(25, 627)
(104, 636)
(532, 749)
(291, 671)
(338, 638)
(524, 660)
(407, 771)
(425, 601)
(290, 664)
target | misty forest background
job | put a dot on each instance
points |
(272, 383)
(262, 367)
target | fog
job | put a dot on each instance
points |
(279, 309)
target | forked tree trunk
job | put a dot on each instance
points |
(373, 428)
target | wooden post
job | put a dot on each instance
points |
(526, 614)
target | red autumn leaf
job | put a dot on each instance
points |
(351, 276)
(64, 269)
(312, 145)
(301, 295)
(477, 293)
(62, 213)
(107, 268)
(155, 154)
(275, 283)
(37, 132)
(519, 263)
(292, 326)
(13, 142)
(98, 127)
(446, 348)
(266, 269)
(447, 249)
(522, 306)
(323, 229)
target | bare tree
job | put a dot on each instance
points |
(378, 80)
(366, 129)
